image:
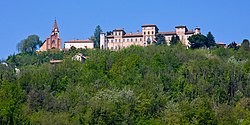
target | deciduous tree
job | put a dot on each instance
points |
(174, 40)
(210, 40)
(29, 44)
(197, 41)
(245, 45)
(160, 39)
(233, 45)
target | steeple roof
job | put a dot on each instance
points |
(55, 27)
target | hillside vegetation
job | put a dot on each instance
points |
(138, 85)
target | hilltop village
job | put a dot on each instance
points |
(118, 38)
(147, 77)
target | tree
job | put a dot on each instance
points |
(73, 48)
(210, 40)
(30, 44)
(97, 33)
(174, 40)
(245, 45)
(160, 39)
(197, 41)
(148, 41)
(11, 100)
(233, 45)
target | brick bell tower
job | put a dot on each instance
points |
(53, 42)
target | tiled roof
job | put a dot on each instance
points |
(79, 41)
(133, 35)
(221, 43)
(119, 29)
(190, 32)
(168, 33)
(180, 27)
(149, 25)
(55, 61)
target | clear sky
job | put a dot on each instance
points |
(228, 20)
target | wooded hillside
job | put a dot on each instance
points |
(138, 85)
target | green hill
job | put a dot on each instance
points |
(137, 85)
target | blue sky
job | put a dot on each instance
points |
(228, 20)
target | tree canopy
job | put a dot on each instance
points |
(245, 45)
(160, 39)
(175, 40)
(137, 85)
(210, 40)
(233, 45)
(29, 44)
(197, 41)
(97, 33)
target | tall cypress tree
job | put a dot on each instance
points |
(97, 33)
(210, 40)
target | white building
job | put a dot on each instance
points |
(84, 44)
(120, 39)
(79, 57)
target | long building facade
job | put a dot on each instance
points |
(119, 39)
(83, 44)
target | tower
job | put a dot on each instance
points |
(53, 42)
(103, 42)
(197, 30)
(149, 31)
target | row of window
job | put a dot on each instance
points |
(116, 48)
(145, 33)
(126, 40)
(139, 39)
(117, 33)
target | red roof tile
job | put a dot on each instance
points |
(190, 32)
(55, 61)
(168, 33)
(79, 41)
(133, 35)
(220, 43)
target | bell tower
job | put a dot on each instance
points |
(53, 42)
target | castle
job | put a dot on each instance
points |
(119, 39)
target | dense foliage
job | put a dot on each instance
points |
(175, 40)
(151, 85)
(29, 44)
(160, 39)
(201, 41)
(96, 36)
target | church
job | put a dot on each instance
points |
(53, 42)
